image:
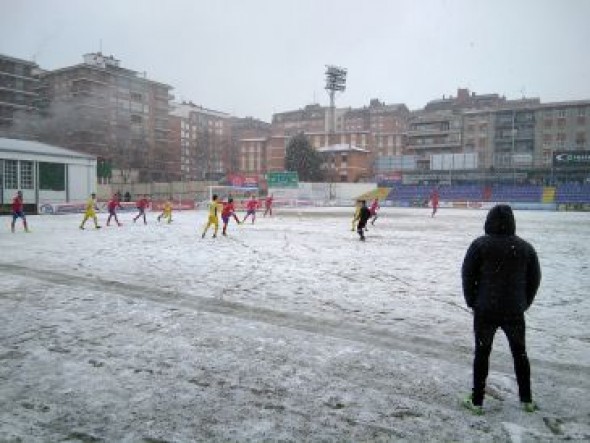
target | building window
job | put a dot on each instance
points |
(52, 176)
(136, 119)
(10, 174)
(26, 175)
(561, 113)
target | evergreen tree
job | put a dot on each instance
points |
(304, 159)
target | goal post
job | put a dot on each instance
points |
(238, 193)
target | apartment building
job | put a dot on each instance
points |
(562, 126)
(312, 118)
(18, 94)
(432, 133)
(251, 137)
(100, 108)
(203, 138)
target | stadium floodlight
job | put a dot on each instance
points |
(335, 78)
(335, 82)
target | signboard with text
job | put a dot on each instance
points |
(243, 180)
(571, 158)
(286, 179)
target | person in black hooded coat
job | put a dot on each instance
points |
(501, 275)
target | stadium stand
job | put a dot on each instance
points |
(572, 193)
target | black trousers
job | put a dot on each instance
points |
(484, 327)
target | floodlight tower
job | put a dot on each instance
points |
(335, 81)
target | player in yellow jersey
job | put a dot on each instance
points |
(357, 214)
(90, 211)
(166, 211)
(214, 209)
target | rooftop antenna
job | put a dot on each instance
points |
(100, 45)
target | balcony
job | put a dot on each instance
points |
(89, 79)
(433, 131)
(449, 144)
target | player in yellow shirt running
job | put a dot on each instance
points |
(89, 212)
(357, 214)
(214, 209)
(167, 211)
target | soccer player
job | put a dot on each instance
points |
(374, 208)
(18, 212)
(434, 201)
(364, 216)
(251, 209)
(227, 212)
(91, 207)
(357, 212)
(268, 206)
(213, 208)
(167, 211)
(112, 206)
(142, 205)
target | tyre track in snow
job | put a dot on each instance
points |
(573, 374)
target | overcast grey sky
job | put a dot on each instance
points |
(256, 57)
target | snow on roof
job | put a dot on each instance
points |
(341, 148)
(35, 147)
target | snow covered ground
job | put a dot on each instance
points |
(289, 329)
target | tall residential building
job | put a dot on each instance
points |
(18, 94)
(101, 108)
(250, 137)
(203, 138)
(432, 133)
(562, 126)
(526, 136)
(386, 125)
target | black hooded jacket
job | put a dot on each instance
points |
(501, 272)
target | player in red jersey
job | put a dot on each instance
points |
(18, 211)
(268, 206)
(227, 212)
(373, 209)
(112, 206)
(142, 205)
(251, 207)
(434, 201)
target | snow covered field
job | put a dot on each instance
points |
(289, 329)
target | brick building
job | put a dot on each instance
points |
(345, 163)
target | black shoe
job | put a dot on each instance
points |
(203, 236)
